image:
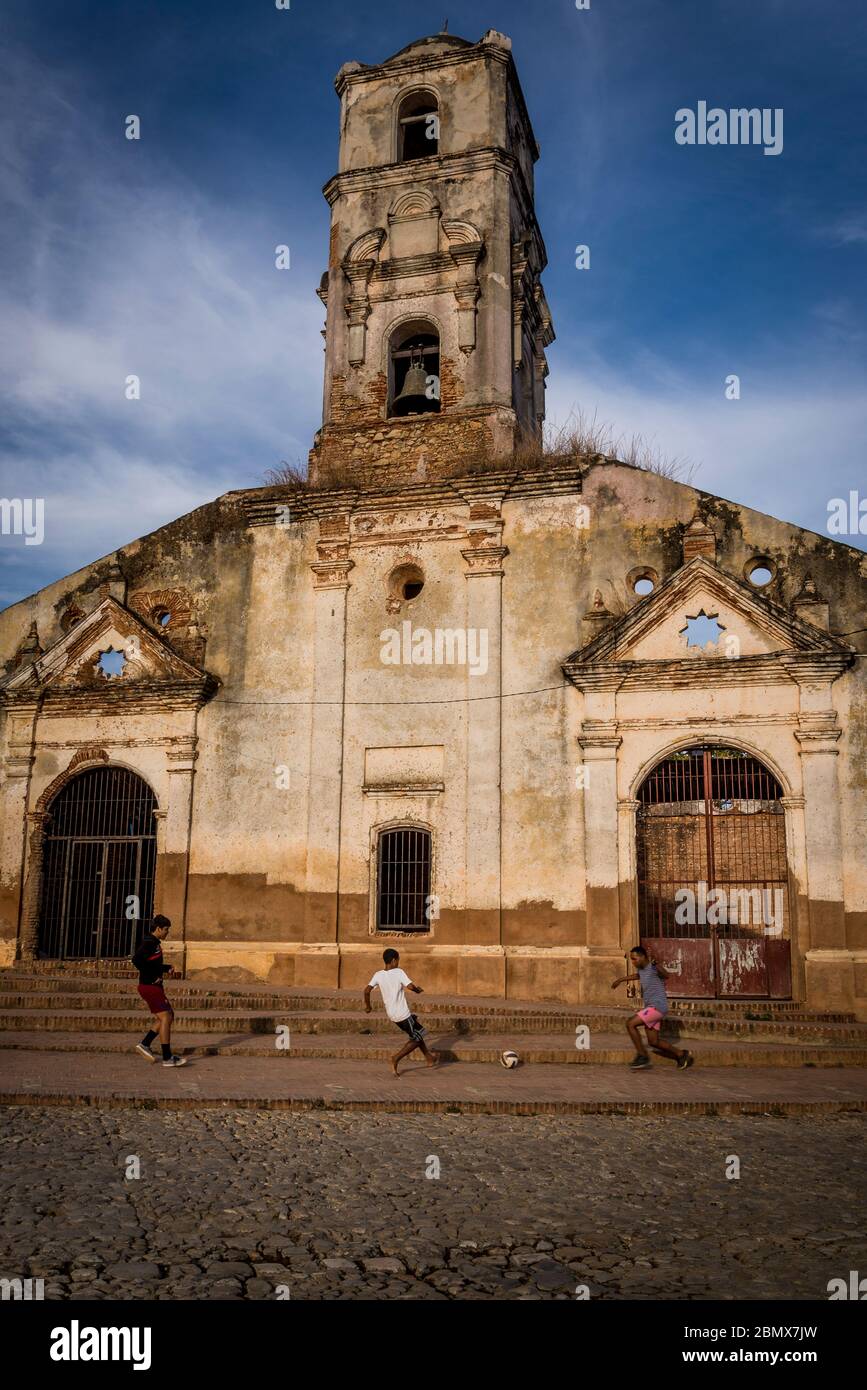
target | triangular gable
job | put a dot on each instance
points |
(72, 663)
(759, 633)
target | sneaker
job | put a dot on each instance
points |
(175, 1062)
(145, 1052)
(685, 1060)
(639, 1063)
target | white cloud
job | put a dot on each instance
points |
(122, 268)
(784, 448)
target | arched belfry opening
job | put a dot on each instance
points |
(414, 370)
(713, 881)
(98, 867)
(418, 126)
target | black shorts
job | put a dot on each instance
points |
(412, 1028)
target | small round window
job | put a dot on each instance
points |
(759, 572)
(405, 583)
(642, 581)
(162, 617)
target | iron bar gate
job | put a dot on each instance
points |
(712, 874)
(98, 875)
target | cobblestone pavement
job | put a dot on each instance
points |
(244, 1204)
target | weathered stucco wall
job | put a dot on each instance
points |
(311, 742)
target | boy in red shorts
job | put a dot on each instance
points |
(151, 967)
(655, 1002)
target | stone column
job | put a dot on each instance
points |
(600, 741)
(173, 830)
(330, 593)
(484, 575)
(799, 910)
(830, 968)
(16, 836)
(628, 871)
(31, 900)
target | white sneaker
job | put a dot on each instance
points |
(145, 1052)
(175, 1062)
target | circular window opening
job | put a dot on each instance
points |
(70, 618)
(404, 584)
(642, 581)
(162, 617)
(759, 573)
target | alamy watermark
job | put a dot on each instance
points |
(23, 516)
(720, 907)
(847, 517)
(458, 646)
(738, 126)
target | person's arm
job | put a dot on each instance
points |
(368, 990)
(416, 989)
(624, 980)
(140, 956)
(661, 972)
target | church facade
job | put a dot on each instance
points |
(509, 712)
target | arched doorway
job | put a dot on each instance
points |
(713, 883)
(98, 875)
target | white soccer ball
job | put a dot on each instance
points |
(509, 1059)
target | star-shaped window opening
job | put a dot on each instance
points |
(111, 663)
(702, 629)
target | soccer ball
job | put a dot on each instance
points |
(509, 1059)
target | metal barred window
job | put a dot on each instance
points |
(100, 855)
(403, 867)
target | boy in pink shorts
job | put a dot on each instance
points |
(655, 1007)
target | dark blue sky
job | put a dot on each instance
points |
(156, 257)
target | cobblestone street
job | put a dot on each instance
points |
(240, 1204)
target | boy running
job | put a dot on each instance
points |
(392, 983)
(655, 1002)
(151, 967)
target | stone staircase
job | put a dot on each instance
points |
(87, 1008)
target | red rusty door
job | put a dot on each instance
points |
(712, 875)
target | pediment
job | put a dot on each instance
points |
(108, 653)
(703, 617)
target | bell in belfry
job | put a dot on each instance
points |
(413, 396)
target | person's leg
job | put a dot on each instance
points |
(165, 1020)
(660, 1045)
(431, 1057)
(404, 1052)
(633, 1025)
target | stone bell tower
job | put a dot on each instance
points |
(437, 323)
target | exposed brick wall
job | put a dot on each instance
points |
(429, 447)
(359, 445)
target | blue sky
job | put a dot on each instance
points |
(156, 257)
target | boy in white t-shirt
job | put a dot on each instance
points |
(392, 983)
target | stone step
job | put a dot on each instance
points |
(123, 1012)
(559, 1049)
(68, 1079)
(75, 993)
(58, 984)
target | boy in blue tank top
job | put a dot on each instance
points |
(654, 1008)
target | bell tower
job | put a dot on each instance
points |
(437, 323)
